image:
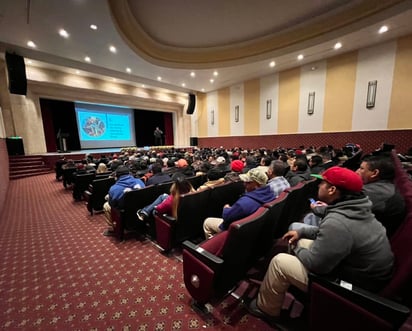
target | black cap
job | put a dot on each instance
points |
(122, 170)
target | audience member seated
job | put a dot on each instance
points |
(167, 203)
(327, 161)
(157, 175)
(315, 164)
(236, 169)
(101, 168)
(214, 177)
(277, 182)
(183, 170)
(377, 173)
(299, 172)
(124, 182)
(257, 193)
(350, 244)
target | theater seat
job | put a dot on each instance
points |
(213, 267)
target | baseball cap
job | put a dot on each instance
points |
(181, 163)
(343, 178)
(254, 175)
(122, 170)
(237, 165)
(220, 160)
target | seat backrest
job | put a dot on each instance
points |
(238, 250)
(354, 161)
(400, 286)
(197, 181)
(225, 193)
(296, 205)
(100, 189)
(191, 213)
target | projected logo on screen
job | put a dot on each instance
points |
(93, 126)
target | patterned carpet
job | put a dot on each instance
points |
(58, 272)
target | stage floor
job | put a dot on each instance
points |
(86, 151)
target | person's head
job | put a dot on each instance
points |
(299, 164)
(237, 166)
(338, 182)
(179, 187)
(122, 171)
(276, 168)
(376, 167)
(253, 179)
(215, 173)
(156, 168)
(315, 160)
(181, 163)
(101, 168)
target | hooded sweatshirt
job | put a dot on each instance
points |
(124, 183)
(350, 244)
(246, 205)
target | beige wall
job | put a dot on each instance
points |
(342, 86)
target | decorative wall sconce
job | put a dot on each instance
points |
(236, 113)
(268, 109)
(212, 117)
(311, 103)
(371, 96)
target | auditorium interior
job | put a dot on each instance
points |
(87, 77)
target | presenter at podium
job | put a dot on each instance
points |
(158, 136)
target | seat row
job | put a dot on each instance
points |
(215, 266)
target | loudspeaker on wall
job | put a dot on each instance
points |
(16, 72)
(192, 104)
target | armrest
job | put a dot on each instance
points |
(203, 255)
(386, 309)
(167, 218)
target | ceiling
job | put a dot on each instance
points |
(193, 45)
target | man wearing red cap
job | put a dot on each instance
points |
(350, 244)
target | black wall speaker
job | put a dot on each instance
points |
(192, 104)
(193, 141)
(16, 71)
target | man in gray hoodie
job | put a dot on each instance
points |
(350, 244)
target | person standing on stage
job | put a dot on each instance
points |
(158, 136)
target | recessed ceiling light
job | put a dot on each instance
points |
(337, 45)
(383, 29)
(128, 70)
(203, 89)
(77, 72)
(183, 84)
(93, 26)
(300, 57)
(87, 59)
(114, 79)
(272, 64)
(143, 85)
(112, 49)
(212, 80)
(31, 44)
(63, 33)
(30, 62)
(159, 78)
(215, 73)
(192, 74)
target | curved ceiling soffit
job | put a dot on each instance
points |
(240, 52)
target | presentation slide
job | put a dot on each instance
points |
(104, 126)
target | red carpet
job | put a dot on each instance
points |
(58, 272)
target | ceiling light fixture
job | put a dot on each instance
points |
(212, 80)
(63, 33)
(192, 74)
(215, 73)
(383, 29)
(93, 26)
(159, 78)
(29, 62)
(300, 57)
(183, 85)
(272, 64)
(203, 90)
(143, 85)
(87, 59)
(31, 44)
(113, 49)
(337, 45)
(77, 72)
(128, 70)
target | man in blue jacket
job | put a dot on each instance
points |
(125, 182)
(257, 194)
